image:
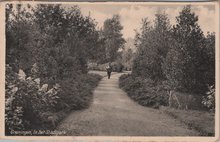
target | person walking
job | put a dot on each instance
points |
(109, 70)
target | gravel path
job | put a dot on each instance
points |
(113, 113)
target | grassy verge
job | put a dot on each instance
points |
(201, 121)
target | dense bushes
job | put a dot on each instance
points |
(27, 100)
(149, 93)
(77, 93)
(31, 105)
(144, 91)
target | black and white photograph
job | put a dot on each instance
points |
(110, 69)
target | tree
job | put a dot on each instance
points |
(73, 36)
(113, 37)
(18, 25)
(184, 65)
(127, 58)
(58, 34)
(153, 44)
(209, 51)
(141, 40)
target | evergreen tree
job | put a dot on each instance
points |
(184, 65)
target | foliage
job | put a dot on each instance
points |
(209, 100)
(18, 26)
(117, 66)
(127, 58)
(145, 92)
(77, 93)
(178, 58)
(113, 40)
(30, 105)
(26, 101)
(145, 83)
(54, 57)
(13, 110)
(186, 62)
(210, 59)
(58, 34)
(153, 44)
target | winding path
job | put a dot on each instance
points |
(113, 113)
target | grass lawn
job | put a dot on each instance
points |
(201, 121)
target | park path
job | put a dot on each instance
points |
(113, 113)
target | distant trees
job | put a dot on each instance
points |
(113, 40)
(127, 57)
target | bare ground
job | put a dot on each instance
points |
(113, 113)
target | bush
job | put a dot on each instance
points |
(77, 92)
(26, 101)
(117, 67)
(209, 100)
(30, 105)
(144, 91)
(185, 101)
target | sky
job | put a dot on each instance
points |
(131, 14)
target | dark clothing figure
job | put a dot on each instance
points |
(109, 70)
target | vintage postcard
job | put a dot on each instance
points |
(109, 71)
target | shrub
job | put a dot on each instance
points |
(13, 109)
(26, 101)
(209, 100)
(117, 67)
(77, 92)
(144, 91)
(186, 101)
(30, 105)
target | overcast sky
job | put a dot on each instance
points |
(131, 14)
